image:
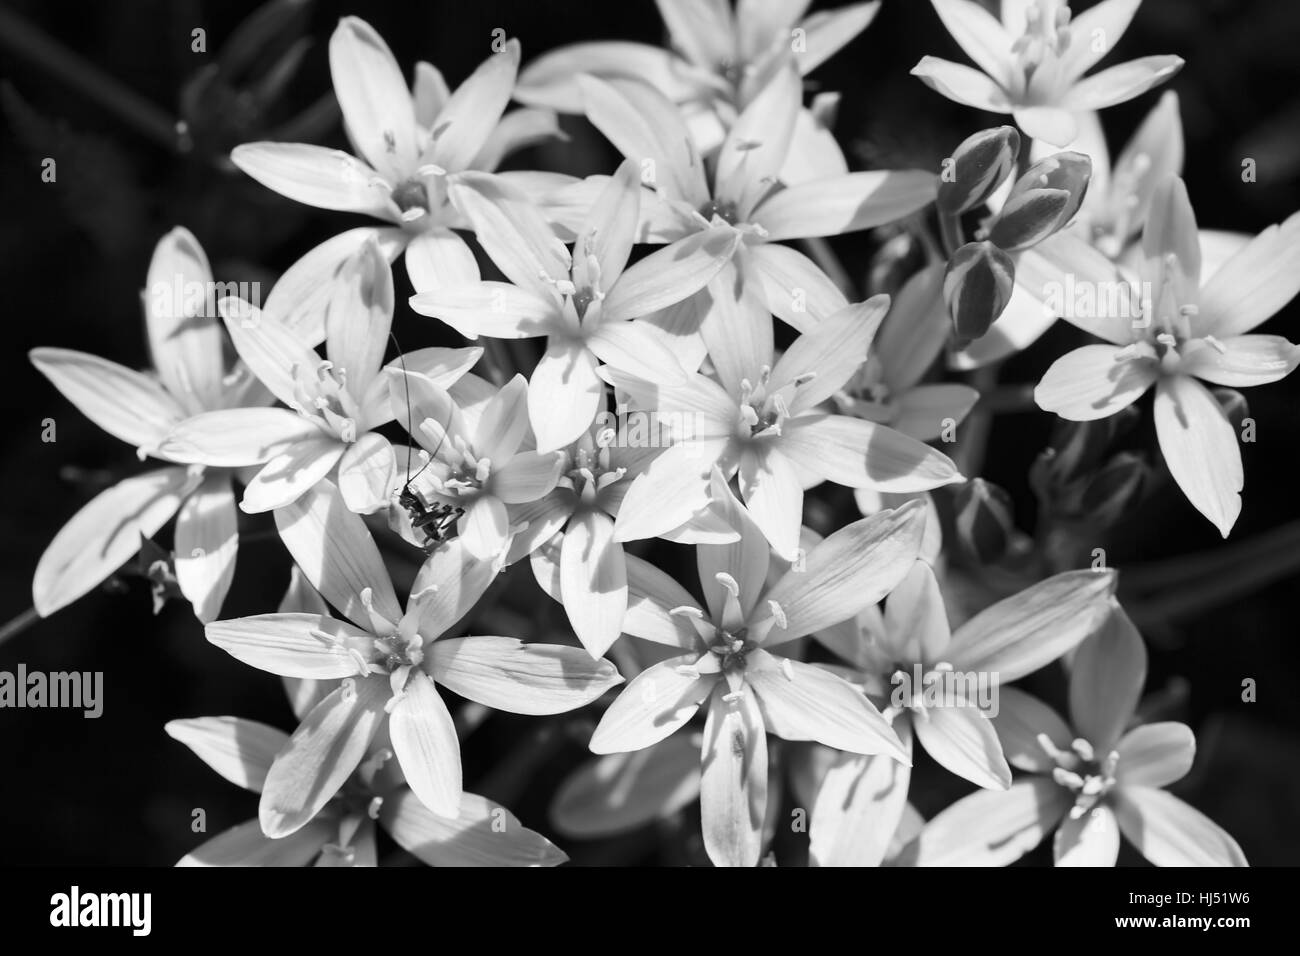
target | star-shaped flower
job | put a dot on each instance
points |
(861, 799)
(1090, 780)
(190, 378)
(334, 403)
(413, 145)
(388, 661)
(1034, 62)
(1188, 329)
(581, 303)
(728, 660)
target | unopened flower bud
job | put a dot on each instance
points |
(985, 520)
(977, 168)
(1042, 201)
(1114, 488)
(976, 288)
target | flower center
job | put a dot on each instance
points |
(321, 393)
(726, 211)
(1081, 772)
(590, 472)
(1047, 32)
(411, 195)
(763, 410)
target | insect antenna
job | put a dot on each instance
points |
(410, 424)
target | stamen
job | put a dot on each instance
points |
(778, 614)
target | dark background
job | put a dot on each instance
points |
(74, 256)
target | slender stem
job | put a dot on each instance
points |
(975, 432)
(17, 625)
(820, 251)
(30, 43)
(950, 232)
(1273, 553)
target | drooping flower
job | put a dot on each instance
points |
(743, 189)
(1091, 780)
(861, 799)
(477, 461)
(483, 833)
(1190, 327)
(413, 145)
(581, 303)
(717, 62)
(728, 661)
(334, 403)
(388, 662)
(185, 344)
(1034, 61)
(760, 420)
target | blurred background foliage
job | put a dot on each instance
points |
(140, 126)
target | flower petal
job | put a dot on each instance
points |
(1020, 720)
(991, 827)
(337, 554)
(367, 473)
(1245, 360)
(1155, 755)
(961, 84)
(654, 704)
(1121, 83)
(1107, 675)
(316, 176)
(236, 437)
(1168, 832)
(755, 148)
(830, 353)
(184, 336)
(107, 531)
(240, 750)
(246, 845)
(513, 231)
(564, 394)
(733, 779)
(593, 579)
(1093, 382)
(621, 792)
(301, 645)
(290, 474)
(981, 36)
(519, 678)
(606, 240)
(859, 805)
(962, 739)
(1028, 630)
(438, 258)
(424, 741)
(774, 497)
(860, 454)
(467, 120)
(669, 275)
(644, 125)
(1200, 447)
(672, 489)
(851, 570)
(1255, 283)
(848, 203)
(1089, 840)
(495, 309)
(804, 702)
(125, 403)
(483, 833)
(377, 108)
(322, 753)
(797, 291)
(207, 540)
(651, 594)
(1047, 123)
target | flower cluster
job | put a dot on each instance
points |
(693, 288)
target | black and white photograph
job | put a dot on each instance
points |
(653, 434)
